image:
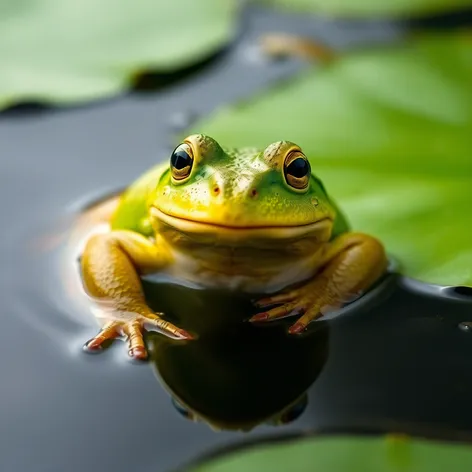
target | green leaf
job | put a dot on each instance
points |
(389, 132)
(69, 51)
(347, 454)
(366, 8)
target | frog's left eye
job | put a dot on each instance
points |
(181, 162)
(297, 170)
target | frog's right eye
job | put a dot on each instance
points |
(181, 162)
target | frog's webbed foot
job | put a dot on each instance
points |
(112, 264)
(355, 262)
(306, 300)
(133, 331)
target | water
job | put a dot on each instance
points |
(397, 358)
(394, 357)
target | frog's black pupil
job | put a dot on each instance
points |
(180, 159)
(298, 168)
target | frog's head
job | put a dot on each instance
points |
(241, 194)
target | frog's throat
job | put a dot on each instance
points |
(241, 232)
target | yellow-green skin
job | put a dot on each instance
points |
(235, 174)
(235, 221)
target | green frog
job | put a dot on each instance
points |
(257, 221)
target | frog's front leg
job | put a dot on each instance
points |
(111, 266)
(350, 265)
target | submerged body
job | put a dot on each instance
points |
(250, 220)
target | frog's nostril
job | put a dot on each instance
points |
(254, 193)
(216, 190)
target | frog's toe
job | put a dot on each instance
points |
(134, 335)
(166, 327)
(109, 332)
(302, 323)
(287, 309)
(133, 330)
(284, 297)
(116, 329)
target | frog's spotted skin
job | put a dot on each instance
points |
(239, 169)
(240, 157)
(241, 188)
(253, 220)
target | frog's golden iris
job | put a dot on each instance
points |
(245, 219)
(297, 170)
(181, 162)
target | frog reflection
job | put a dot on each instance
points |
(235, 376)
(286, 416)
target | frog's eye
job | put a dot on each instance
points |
(181, 162)
(297, 170)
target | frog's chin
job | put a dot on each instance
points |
(320, 229)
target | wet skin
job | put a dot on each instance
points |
(253, 221)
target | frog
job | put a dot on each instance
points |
(287, 415)
(257, 221)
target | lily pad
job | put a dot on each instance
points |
(366, 8)
(347, 454)
(63, 51)
(389, 131)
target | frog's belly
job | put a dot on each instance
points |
(257, 278)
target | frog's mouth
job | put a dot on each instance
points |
(321, 227)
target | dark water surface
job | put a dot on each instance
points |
(396, 358)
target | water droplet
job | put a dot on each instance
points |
(465, 326)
